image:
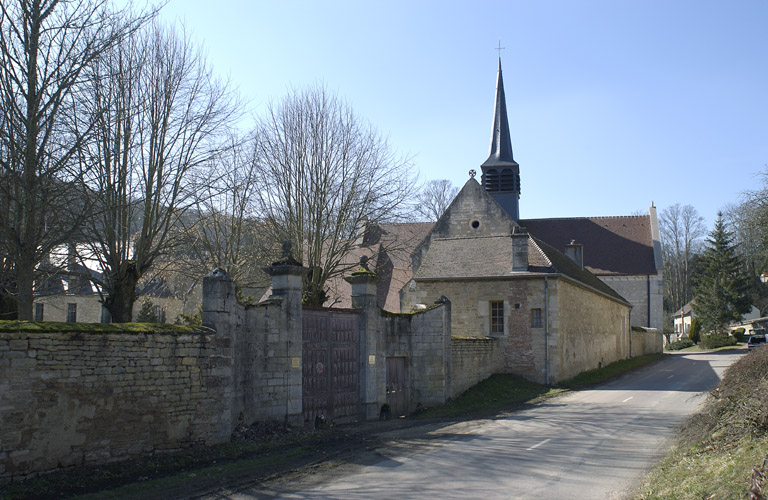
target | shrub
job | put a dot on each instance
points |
(695, 332)
(739, 404)
(680, 344)
(738, 334)
(714, 341)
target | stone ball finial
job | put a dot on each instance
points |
(472, 173)
(364, 262)
(219, 273)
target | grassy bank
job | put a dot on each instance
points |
(720, 449)
(501, 393)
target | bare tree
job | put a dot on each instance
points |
(45, 46)
(223, 227)
(326, 175)
(434, 198)
(749, 222)
(158, 116)
(682, 230)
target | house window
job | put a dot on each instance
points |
(71, 313)
(39, 310)
(535, 318)
(497, 317)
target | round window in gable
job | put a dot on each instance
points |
(475, 224)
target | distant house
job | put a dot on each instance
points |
(70, 295)
(683, 317)
(682, 321)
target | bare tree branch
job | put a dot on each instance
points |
(326, 175)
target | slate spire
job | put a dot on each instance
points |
(501, 145)
(501, 173)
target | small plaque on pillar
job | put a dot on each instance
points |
(371, 360)
(295, 362)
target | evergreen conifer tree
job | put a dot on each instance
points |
(722, 289)
(147, 313)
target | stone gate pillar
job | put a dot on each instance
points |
(372, 358)
(219, 300)
(287, 276)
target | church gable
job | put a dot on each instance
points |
(472, 214)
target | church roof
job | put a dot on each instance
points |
(501, 145)
(612, 245)
(492, 257)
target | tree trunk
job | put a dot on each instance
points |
(26, 297)
(121, 298)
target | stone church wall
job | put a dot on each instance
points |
(635, 290)
(593, 331)
(520, 350)
(86, 398)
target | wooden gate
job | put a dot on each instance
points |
(331, 364)
(397, 393)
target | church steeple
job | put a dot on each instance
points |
(501, 173)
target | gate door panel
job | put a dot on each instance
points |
(345, 350)
(331, 353)
(315, 385)
(397, 394)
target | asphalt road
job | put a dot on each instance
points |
(592, 444)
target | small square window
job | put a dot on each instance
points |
(39, 312)
(535, 318)
(71, 313)
(497, 317)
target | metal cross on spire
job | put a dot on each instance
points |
(499, 48)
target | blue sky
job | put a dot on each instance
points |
(612, 104)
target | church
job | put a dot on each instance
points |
(559, 296)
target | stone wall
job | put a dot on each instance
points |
(646, 342)
(267, 345)
(473, 360)
(424, 338)
(85, 398)
(638, 290)
(592, 331)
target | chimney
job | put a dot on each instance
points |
(575, 252)
(519, 249)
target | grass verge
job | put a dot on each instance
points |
(694, 472)
(60, 327)
(500, 393)
(193, 468)
(600, 375)
(720, 448)
(493, 395)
